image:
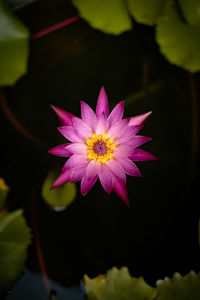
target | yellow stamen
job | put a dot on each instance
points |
(100, 148)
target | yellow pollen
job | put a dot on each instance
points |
(100, 148)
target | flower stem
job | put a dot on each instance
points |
(17, 124)
(38, 247)
(194, 144)
(54, 28)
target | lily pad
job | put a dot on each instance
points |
(108, 16)
(14, 240)
(178, 41)
(145, 11)
(179, 287)
(14, 38)
(58, 198)
(191, 11)
(118, 284)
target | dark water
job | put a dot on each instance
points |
(158, 235)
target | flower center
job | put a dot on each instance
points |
(100, 148)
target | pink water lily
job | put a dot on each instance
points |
(101, 145)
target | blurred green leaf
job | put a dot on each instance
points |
(16, 4)
(145, 11)
(118, 284)
(179, 287)
(108, 16)
(14, 239)
(191, 11)
(178, 41)
(60, 197)
(4, 189)
(13, 46)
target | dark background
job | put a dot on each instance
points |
(158, 235)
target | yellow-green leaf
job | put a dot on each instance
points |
(108, 16)
(4, 189)
(145, 11)
(178, 41)
(60, 197)
(179, 287)
(14, 239)
(191, 11)
(118, 284)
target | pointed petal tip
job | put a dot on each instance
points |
(140, 119)
(63, 116)
(154, 157)
(125, 200)
(55, 108)
(102, 88)
(102, 103)
(121, 190)
(83, 193)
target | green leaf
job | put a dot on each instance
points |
(118, 284)
(16, 4)
(108, 16)
(14, 240)
(178, 41)
(179, 287)
(58, 198)
(145, 11)
(13, 46)
(4, 189)
(191, 11)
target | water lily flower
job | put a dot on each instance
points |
(101, 145)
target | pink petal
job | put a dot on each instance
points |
(102, 103)
(116, 168)
(77, 148)
(106, 178)
(62, 179)
(102, 125)
(93, 169)
(87, 184)
(123, 150)
(64, 116)
(60, 151)
(88, 115)
(130, 168)
(74, 161)
(142, 155)
(82, 129)
(129, 133)
(77, 174)
(140, 119)
(117, 129)
(117, 113)
(121, 190)
(69, 133)
(138, 140)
